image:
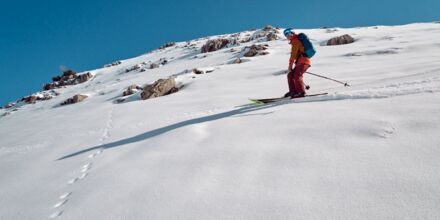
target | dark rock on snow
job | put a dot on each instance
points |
(344, 39)
(197, 71)
(74, 99)
(113, 64)
(131, 90)
(170, 44)
(69, 77)
(255, 50)
(213, 45)
(159, 88)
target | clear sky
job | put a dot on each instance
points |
(37, 36)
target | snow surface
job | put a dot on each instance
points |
(368, 151)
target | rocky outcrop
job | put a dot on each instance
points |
(213, 45)
(271, 37)
(131, 90)
(170, 44)
(74, 99)
(84, 77)
(255, 50)
(154, 66)
(344, 39)
(268, 32)
(29, 99)
(68, 78)
(269, 28)
(137, 67)
(159, 88)
(9, 105)
(112, 64)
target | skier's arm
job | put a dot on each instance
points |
(293, 55)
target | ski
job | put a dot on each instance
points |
(271, 100)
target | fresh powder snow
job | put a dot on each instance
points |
(367, 151)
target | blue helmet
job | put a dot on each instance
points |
(288, 31)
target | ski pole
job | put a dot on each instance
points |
(344, 83)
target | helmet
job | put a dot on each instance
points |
(288, 31)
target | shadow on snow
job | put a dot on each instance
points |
(165, 129)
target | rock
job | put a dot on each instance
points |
(213, 45)
(131, 90)
(154, 65)
(170, 44)
(163, 61)
(268, 28)
(113, 64)
(248, 39)
(237, 61)
(56, 78)
(120, 100)
(49, 86)
(255, 50)
(84, 77)
(159, 88)
(30, 99)
(344, 39)
(9, 105)
(74, 99)
(69, 74)
(271, 36)
(197, 71)
(69, 77)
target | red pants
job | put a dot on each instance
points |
(295, 79)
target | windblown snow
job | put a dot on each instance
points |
(367, 151)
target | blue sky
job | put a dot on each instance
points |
(36, 37)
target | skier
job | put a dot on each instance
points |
(302, 63)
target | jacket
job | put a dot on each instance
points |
(297, 52)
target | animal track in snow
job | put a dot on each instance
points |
(63, 199)
(56, 214)
(65, 195)
(60, 203)
(93, 155)
(72, 181)
(84, 175)
(86, 167)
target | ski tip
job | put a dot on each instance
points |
(255, 101)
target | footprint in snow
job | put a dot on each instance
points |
(60, 203)
(84, 175)
(65, 195)
(95, 154)
(56, 214)
(86, 167)
(72, 181)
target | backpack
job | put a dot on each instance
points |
(309, 50)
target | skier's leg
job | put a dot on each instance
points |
(291, 82)
(298, 73)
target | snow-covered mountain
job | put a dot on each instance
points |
(368, 151)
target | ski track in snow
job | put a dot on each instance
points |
(430, 85)
(84, 170)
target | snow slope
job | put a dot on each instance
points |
(368, 151)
